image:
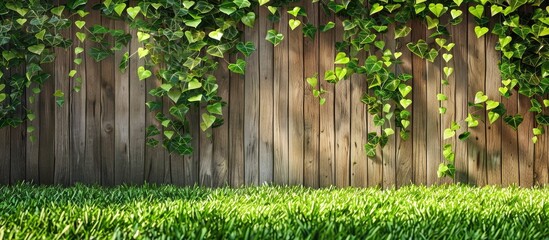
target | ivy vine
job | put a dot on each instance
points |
(183, 41)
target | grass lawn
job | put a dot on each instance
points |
(456, 212)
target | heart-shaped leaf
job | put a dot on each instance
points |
(248, 19)
(376, 7)
(404, 89)
(490, 104)
(246, 48)
(448, 133)
(341, 58)
(477, 10)
(447, 57)
(207, 121)
(294, 23)
(480, 97)
(274, 37)
(493, 116)
(295, 11)
(505, 41)
(448, 71)
(238, 67)
(455, 13)
(133, 11)
(37, 49)
(142, 73)
(405, 102)
(405, 123)
(142, 52)
(480, 31)
(217, 34)
(81, 36)
(437, 9)
(141, 36)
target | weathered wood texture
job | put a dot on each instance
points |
(275, 130)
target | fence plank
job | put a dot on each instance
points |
(137, 116)
(310, 102)
(221, 134)
(206, 154)
(107, 114)
(154, 156)
(433, 117)
(493, 131)
(251, 108)
(460, 61)
(476, 147)
(419, 120)
(46, 155)
(236, 129)
(359, 129)
(192, 162)
(62, 137)
(389, 151)
(266, 91)
(121, 116)
(342, 123)
(18, 138)
(404, 154)
(327, 42)
(525, 145)
(280, 123)
(5, 136)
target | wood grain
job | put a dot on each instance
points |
(107, 105)
(280, 109)
(236, 129)
(419, 118)
(493, 131)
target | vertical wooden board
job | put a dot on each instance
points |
(121, 116)
(78, 114)
(137, 116)
(266, 91)
(310, 102)
(192, 162)
(154, 156)
(63, 66)
(92, 168)
(509, 139)
(525, 145)
(5, 152)
(389, 150)
(221, 134)
(251, 109)
(419, 118)
(541, 158)
(107, 114)
(450, 104)
(493, 131)
(280, 110)
(359, 129)
(327, 141)
(206, 155)
(460, 64)
(433, 117)
(476, 144)
(342, 123)
(236, 129)
(46, 164)
(177, 169)
(295, 115)
(404, 151)
(18, 139)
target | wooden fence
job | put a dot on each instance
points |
(275, 131)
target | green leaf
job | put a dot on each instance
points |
(480, 31)
(37, 49)
(217, 50)
(420, 48)
(404, 89)
(119, 8)
(141, 36)
(455, 13)
(194, 84)
(370, 149)
(196, 98)
(493, 116)
(477, 10)
(81, 36)
(217, 34)
(133, 11)
(295, 11)
(207, 121)
(480, 97)
(442, 170)
(294, 23)
(405, 102)
(238, 67)
(471, 120)
(490, 104)
(142, 73)
(441, 97)
(437, 9)
(215, 108)
(274, 37)
(141, 52)
(464, 136)
(242, 3)
(328, 26)
(448, 133)
(376, 7)
(248, 19)
(58, 10)
(341, 58)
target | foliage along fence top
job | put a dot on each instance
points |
(300, 92)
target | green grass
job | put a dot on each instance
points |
(456, 212)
